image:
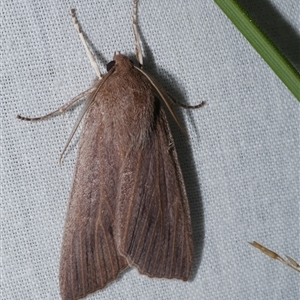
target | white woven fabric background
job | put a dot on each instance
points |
(241, 165)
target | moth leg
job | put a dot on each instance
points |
(138, 49)
(61, 109)
(87, 50)
(185, 106)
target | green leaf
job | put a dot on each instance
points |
(262, 44)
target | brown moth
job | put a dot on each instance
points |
(128, 204)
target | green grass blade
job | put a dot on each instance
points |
(262, 44)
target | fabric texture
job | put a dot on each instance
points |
(240, 164)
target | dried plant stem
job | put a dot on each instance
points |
(288, 261)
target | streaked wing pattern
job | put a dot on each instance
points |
(153, 224)
(89, 258)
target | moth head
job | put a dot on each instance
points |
(120, 61)
(110, 65)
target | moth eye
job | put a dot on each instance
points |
(110, 65)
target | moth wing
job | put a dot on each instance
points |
(89, 258)
(154, 227)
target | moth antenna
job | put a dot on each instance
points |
(87, 50)
(138, 49)
(161, 94)
(61, 109)
(78, 121)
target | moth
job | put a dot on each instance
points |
(128, 204)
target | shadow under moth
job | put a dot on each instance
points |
(128, 205)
